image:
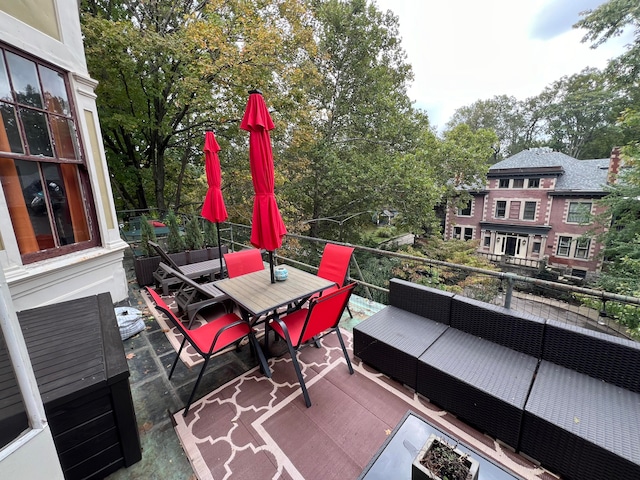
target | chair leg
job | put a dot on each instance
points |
(175, 362)
(296, 366)
(195, 387)
(264, 365)
(349, 312)
(344, 350)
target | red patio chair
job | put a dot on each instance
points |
(243, 261)
(210, 338)
(334, 266)
(311, 324)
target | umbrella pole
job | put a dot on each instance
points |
(273, 276)
(220, 251)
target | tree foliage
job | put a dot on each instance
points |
(515, 125)
(169, 69)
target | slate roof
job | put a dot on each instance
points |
(578, 175)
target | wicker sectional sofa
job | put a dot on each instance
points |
(562, 395)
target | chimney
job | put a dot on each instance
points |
(615, 163)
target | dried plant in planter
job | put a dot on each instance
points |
(439, 460)
(446, 463)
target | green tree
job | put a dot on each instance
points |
(359, 118)
(175, 242)
(169, 69)
(622, 239)
(579, 113)
(147, 234)
(193, 239)
(210, 234)
(515, 124)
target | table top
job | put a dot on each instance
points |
(396, 455)
(257, 295)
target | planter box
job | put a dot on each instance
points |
(420, 472)
(145, 266)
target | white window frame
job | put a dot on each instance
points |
(513, 183)
(468, 233)
(562, 244)
(457, 233)
(582, 249)
(524, 210)
(506, 209)
(532, 180)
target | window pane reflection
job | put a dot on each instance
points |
(35, 127)
(10, 140)
(25, 80)
(55, 94)
(5, 89)
(63, 137)
(36, 201)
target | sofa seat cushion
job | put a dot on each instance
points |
(595, 422)
(484, 383)
(392, 340)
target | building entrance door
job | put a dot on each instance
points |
(510, 248)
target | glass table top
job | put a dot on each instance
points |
(395, 457)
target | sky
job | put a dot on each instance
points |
(462, 51)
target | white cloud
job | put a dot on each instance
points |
(466, 50)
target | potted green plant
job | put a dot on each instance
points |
(175, 240)
(438, 460)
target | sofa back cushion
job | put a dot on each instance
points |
(518, 331)
(612, 359)
(424, 301)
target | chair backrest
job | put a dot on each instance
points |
(334, 263)
(164, 308)
(243, 261)
(325, 312)
(165, 257)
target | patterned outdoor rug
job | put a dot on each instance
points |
(256, 427)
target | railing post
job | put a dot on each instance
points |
(233, 249)
(509, 293)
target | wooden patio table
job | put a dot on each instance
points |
(257, 296)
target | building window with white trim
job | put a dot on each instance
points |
(582, 247)
(465, 211)
(529, 212)
(457, 232)
(501, 209)
(503, 183)
(564, 246)
(42, 173)
(579, 212)
(468, 233)
(533, 183)
(518, 183)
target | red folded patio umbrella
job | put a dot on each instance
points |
(267, 226)
(213, 208)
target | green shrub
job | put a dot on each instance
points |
(210, 234)
(193, 236)
(147, 233)
(175, 242)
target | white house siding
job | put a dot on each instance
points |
(49, 31)
(87, 272)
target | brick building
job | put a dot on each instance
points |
(537, 205)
